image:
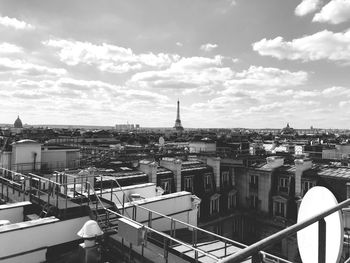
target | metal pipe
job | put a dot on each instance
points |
(264, 243)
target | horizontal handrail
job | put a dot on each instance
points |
(264, 243)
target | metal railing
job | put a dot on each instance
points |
(167, 239)
(198, 234)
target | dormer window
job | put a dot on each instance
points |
(254, 182)
(188, 184)
(207, 182)
(283, 184)
(307, 185)
(166, 186)
(225, 178)
(280, 209)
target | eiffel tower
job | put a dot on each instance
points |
(178, 126)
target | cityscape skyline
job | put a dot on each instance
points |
(231, 63)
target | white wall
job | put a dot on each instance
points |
(29, 237)
(13, 211)
(23, 153)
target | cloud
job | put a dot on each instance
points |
(22, 67)
(321, 45)
(307, 7)
(208, 47)
(14, 23)
(187, 73)
(7, 48)
(208, 76)
(261, 76)
(108, 58)
(336, 91)
(344, 104)
(335, 12)
(179, 44)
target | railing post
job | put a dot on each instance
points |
(134, 212)
(66, 195)
(194, 243)
(149, 219)
(123, 203)
(322, 241)
(58, 189)
(101, 185)
(111, 190)
(88, 192)
(166, 250)
(74, 182)
(48, 194)
(38, 190)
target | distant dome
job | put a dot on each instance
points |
(18, 123)
(287, 130)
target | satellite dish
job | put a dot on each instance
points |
(317, 200)
(161, 141)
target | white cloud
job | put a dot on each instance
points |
(22, 67)
(335, 12)
(109, 58)
(208, 47)
(321, 45)
(187, 73)
(344, 104)
(261, 76)
(307, 7)
(9, 48)
(336, 91)
(179, 44)
(14, 23)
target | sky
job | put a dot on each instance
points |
(231, 63)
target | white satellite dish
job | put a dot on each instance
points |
(317, 200)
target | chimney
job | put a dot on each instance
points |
(173, 165)
(301, 165)
(149, 168)
(214, 162)
(274, 161)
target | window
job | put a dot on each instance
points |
(214, 205)
(188, 184)
(207, 182)
(225, 178)
(283, 184)
(307, 185)
(166, 186)
(254, 202)
(279, 209)
(231, 202)
(254, 182)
